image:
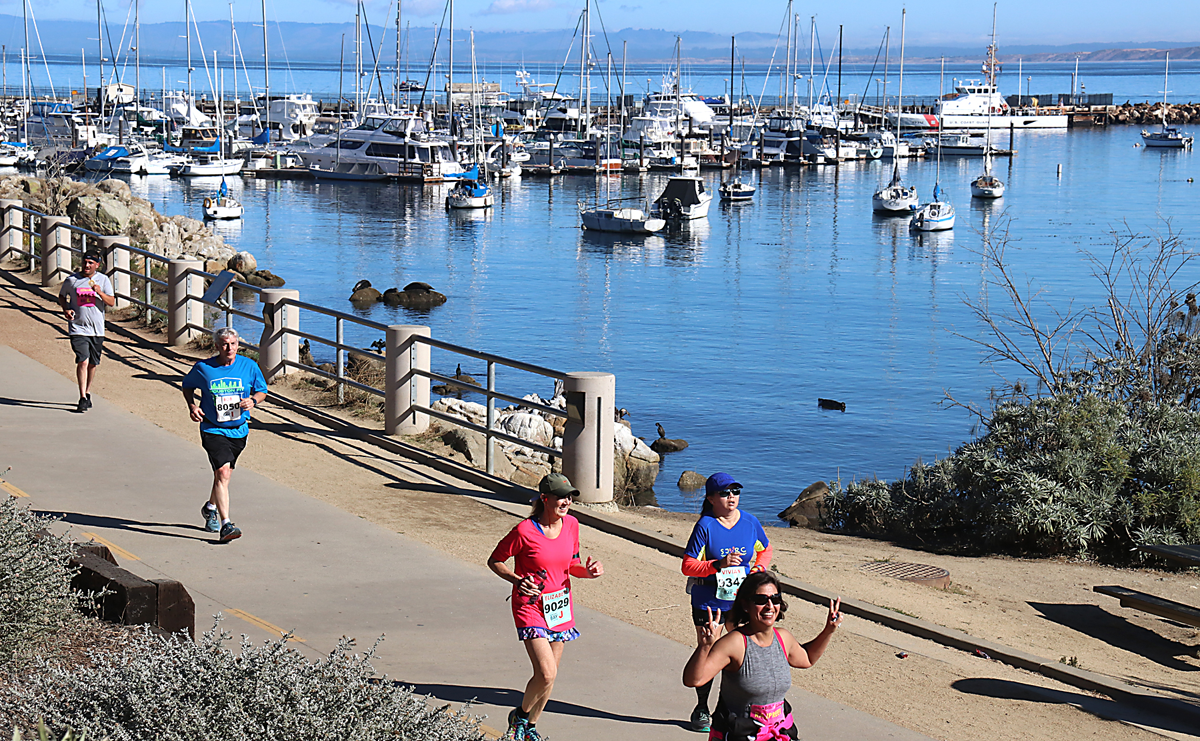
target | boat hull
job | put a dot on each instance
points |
(620, 221)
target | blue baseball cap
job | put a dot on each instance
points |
(719, 482)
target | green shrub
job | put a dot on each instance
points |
(36, 599)
(167, 690)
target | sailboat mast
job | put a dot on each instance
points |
(624, 63)
(812, 40)
(233, 54)
(100, 41)
(266, 70)
(137, 64)
(450, 83)
(396, 91)
(1166, 74)
(585, 82)
(187, 27)
(732, 57)
(787, 65)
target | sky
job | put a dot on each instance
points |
(948, 22)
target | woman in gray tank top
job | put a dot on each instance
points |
(756, 662)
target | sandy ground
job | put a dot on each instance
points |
(1043, 607)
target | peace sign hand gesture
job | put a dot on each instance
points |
(711, 630)
(834, 620)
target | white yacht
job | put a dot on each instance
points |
(401, 146)
(288, 118)
(895, 198)
(1167, 137)
(613, 217)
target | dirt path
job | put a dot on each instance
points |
(1043, 607)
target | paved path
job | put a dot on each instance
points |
(308, 567)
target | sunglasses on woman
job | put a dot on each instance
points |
(762, 599)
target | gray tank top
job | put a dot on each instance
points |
(763, 679)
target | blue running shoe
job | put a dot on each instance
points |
(212, 520)
(531, 734)
(518, 727)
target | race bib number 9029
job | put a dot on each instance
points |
(556, 608)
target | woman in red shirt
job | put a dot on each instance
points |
(545, 549)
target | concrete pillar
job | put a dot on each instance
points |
(56, 258)
(276, 345)
(10, 221)
(116, 265)
(588, 436)
(404, 387)
(183, 288)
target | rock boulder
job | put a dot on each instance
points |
(806, 510)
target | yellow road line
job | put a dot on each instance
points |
(12, 489)
(260, 623)
(117, 550)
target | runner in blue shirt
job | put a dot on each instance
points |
(726, 545)
(230, 386)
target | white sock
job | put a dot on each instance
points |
(226, 521)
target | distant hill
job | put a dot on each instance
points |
(310, 43)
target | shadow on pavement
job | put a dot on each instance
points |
(59, 405)
(1177, 715)
(511, 698)
(120, 523)
(1117, 631)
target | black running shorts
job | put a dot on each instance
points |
(87, 348)
(222, 449)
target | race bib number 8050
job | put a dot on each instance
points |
(229, 408)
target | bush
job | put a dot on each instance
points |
(1108, 459)
(161, 689)
(36, 599)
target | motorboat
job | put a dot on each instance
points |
(935, 216)
(736, 190)
(958, 143)
(470, 194)
(106, 159)
(1167, 137)
(401, 145)
(360, 171)
(895, 197)
(613, 217)
(224, 206)
(684, 199)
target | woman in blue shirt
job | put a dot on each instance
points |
(726, 545)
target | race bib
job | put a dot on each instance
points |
(556, 608)
(229, 408)
(728, 581)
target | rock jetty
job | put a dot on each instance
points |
(635, 465)
(1143, 114)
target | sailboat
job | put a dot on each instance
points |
(988, 185)
(895, 197)
(224, 206)
(473, 193)
(1168, 137)
(937, 215)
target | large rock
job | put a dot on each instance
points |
(366, 295)
(690, 481)
(528, 426)
(103, 214)
(470, 443)
(118, 188)
(265, 279)
(806, 510)
(243, 262)
(413, 298)
(468, 410)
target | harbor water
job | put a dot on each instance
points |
(728, 330)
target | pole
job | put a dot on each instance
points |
(137, 64)
(450, 80)
(187, 20)
(266, 71)
(100, 43)
(396, 91)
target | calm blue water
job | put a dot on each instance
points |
(728, 331)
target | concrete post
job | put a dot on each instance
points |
(117, 266)
(276, 345)
(56, 258)
(404, 387)
(588, 436)
(183, 288)
(10, 239)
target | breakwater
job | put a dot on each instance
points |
(1151, 113)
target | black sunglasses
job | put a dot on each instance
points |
(762, 599)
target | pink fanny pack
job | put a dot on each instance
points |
(774, 721)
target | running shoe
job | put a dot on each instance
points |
(518, 727)
(82, 406)
(701, 721)
(89, 400)
(229, 532)
(531, 734)
(212, 520)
